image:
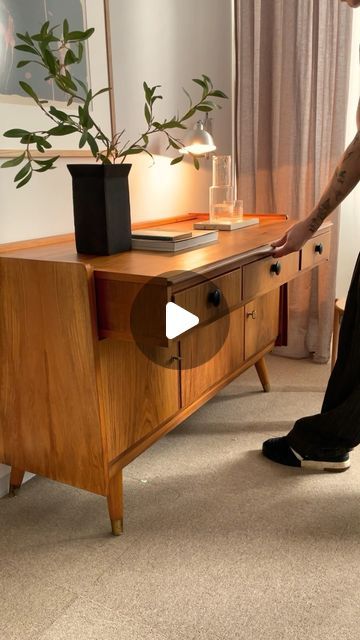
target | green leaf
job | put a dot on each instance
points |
(42, 141)
(25, 37)
(177, 160)
(40, 148)
(145, 139)
(60, 115)
(204, 108)
(207, 79)
(83, 140)
(62, 130)
(70, 58)
(65, 29)
(82, 85)
(29, 90)
(132, 151)
(84, 118)
(21, 184)
(218, 94)
(80, 51)
(200, 82)
(188, 96)
(92, 144)
(147, 114)
(68, 83)
(23, 172)
(101, 91)
(27, 48)
(50, 61)
(44, 28)
(147, 91)
(174, 144)
(13, 162)
(196, 163)
(73, 36)
(16, 133)
(22, 63)
(189, 114)
(70, 101)
(48, 162)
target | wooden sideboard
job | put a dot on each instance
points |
(79, 399)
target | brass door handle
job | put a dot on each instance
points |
(251, 314)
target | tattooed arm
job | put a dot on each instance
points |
(346, 176)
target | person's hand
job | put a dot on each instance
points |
(292, 240)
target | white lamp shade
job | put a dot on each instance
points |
(198, 141)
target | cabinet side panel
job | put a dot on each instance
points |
(49, 415)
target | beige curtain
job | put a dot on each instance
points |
(292, 68)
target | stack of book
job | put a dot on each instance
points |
(160, 240)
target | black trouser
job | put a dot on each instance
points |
(337, 428)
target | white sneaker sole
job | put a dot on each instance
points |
(322, 465)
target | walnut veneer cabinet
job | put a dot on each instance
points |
(79, 399)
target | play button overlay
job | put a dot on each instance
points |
(180, 336)
(178, 320)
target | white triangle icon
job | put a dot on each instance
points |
(178, 320)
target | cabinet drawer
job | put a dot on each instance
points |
(212, 299)
(315, 251)
(269, 273)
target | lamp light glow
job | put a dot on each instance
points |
(198, 141)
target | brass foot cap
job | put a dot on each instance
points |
(116, 527)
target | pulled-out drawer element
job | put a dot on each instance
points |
(132, 311)
(267, 274)
(213, 298)
(315, 251)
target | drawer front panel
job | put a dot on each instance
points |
(261, 322)
(197, 380)
(315, 251)
(211, 299)
(269, 273)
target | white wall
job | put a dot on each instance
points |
(349, 241)
(162, 42)
(169, 43)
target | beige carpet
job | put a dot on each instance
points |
(219, 543)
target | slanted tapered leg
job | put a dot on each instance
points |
(16, 478)
(115, 503)
(263, 374)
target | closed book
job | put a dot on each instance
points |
(161, 234)
(197, 239)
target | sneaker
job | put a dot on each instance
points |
(278, 450)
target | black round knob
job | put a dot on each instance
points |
(319, 248)
(214, 297)
(275, 268)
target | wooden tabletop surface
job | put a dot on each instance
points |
(231, 250)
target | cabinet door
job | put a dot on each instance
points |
(196, 378)
(261, 322)
(139, 392)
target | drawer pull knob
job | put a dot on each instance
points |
(251, 314)
(177, 358)
(319, 248)
(275, 268)
(214, 297)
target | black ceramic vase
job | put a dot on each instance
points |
(101, 208)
